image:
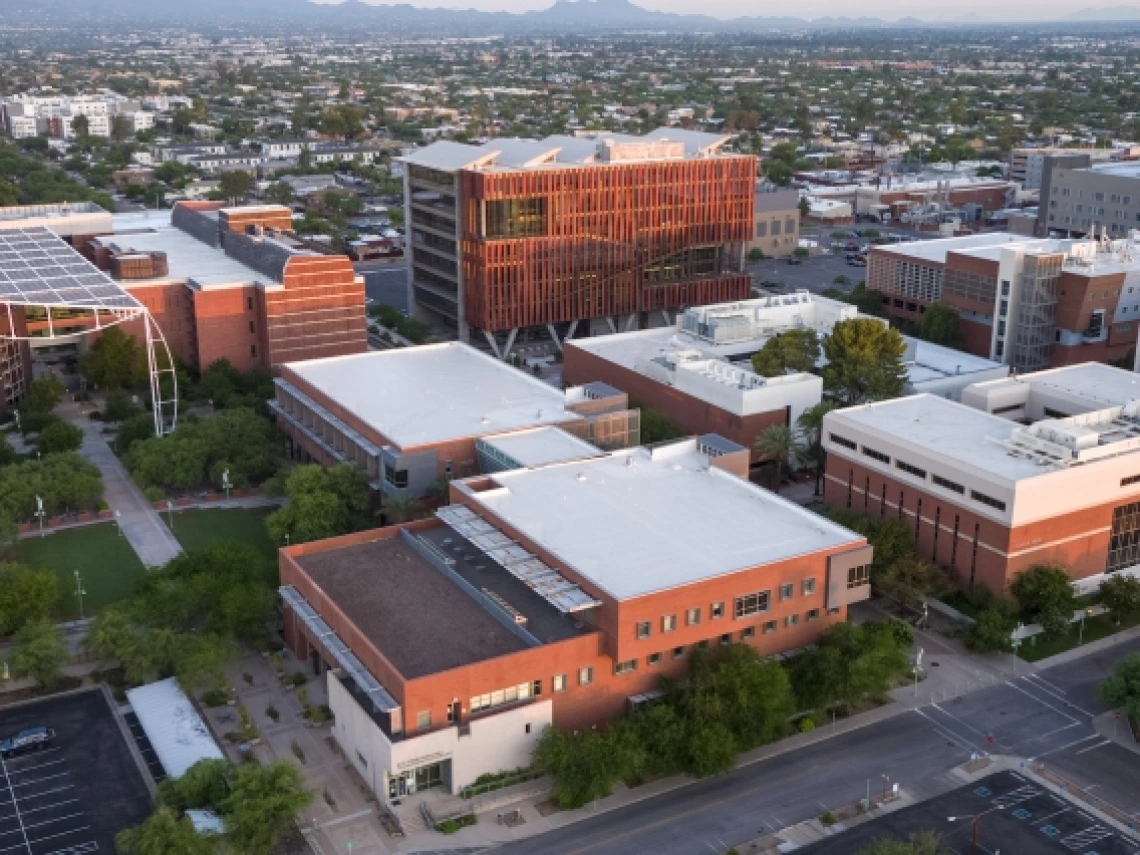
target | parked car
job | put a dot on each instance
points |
(35, 739)
(795, 259)
(857, 262)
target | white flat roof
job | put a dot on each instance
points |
(940, 428)
(178, 734)
(933, 362)
(1099, 384)
(542, 446)
(935, 250)
(187, 258)
(667, 520)
(433, 393)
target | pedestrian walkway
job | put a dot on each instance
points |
(145, 531)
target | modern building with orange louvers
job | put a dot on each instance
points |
(230, 283)
(570, 236)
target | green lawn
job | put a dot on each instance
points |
(106, 563)
(197, 529)
(1098, 627)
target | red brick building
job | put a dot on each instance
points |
(554, 595)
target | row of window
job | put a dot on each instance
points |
(745, 605)
(918, 472)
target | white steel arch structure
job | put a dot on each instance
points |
(38, 270)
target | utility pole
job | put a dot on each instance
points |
(79, 592)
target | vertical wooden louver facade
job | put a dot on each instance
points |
(555, 244)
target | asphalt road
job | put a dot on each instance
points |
(1046, 717)
(386, 283)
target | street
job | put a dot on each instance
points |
(386, 283)
(1046, 716)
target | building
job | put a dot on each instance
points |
(1033, 469)
(1079, 199)
(220, 283)
(777, 226)
(553, 595)
(410, 417)
(569, 235)
(29, 115)
(1030, 166)
(699, 373)
(1028, 303)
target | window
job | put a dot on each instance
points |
(716, 611)
(857, 577)
(1131, 479)
(846, 443)
(585, 676)
(761, 229)
(775, 228)
(703, 645)
(769, 626)
(558, 683)
(653, 658)
(515, 218)
(748, 632)
(423, 720)
(987, 500)
(813, 614)
(253, 350)
(1124, 543)
(789, 226)
(251, 327)
(360, 759)
(536, 688)
(398, 478)
(527, 727)
(678, 652)
(627, 667)
(692, 617)
(249, 304)
(668, 623)
(726, 639)
(949, 485)
(787, 590)
(643, 629)
(792, 620)
(913, 470)
(808, 587)
(752, 604)
(876, 455)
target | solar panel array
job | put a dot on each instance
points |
(545, 581)
(38, 269)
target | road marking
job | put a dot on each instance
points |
(1063, 747)
(1043, 703)
(1093, 747)
(1055, 696)
(1050, 816)
(38, 766)
(961, 721)
(946, 734)
(15, 806)
(1041, 679)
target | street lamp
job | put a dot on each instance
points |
(977, 821)
(119, 522)
(170, 512)
(1081, 636)
(40, 513)
(79, 592)
(226, 485)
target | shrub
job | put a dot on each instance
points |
(215, 698)
(271, 712)
(827, 818)
(448, 826)
(990, 632)
(807, 724)
(154, 494)
(298, 678)
(59, 436)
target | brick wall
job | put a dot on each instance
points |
(318, 311)
(230, 325)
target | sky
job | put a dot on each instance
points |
(933, 10)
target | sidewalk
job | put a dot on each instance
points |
(145, 531)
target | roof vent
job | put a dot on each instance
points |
(629, 463)
(581, 476)
(538, 415)
(485, 420)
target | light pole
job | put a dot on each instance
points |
(226, 485)
(977, 821)
(17, 414)
(79, 592)
(170, 513)
(119, 522)
(40, 513)
(1081, 636)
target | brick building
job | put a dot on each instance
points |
(1028, 470)
(556, 595)
(1028, 303)
(568, 235)
(220, 282)
(699, 373)
(411, 416)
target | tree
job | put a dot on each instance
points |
(163, 833)
(1122, 688)
(778, 445)
(234, 185)
(939, 324)
(398, 509)
(923, 843)
(262, 803)
(864, 362)
(38, 652)
(59, 436)
(810, 427)
(81, 127)
(26, 595)
(1045, 594)
(1120, 594)
(280, 193)
(794, 350)
(850, 663)
(43, 394)
(778, 172)
(805, 207)
(583, 767)
(656, 427)
(113, 361)
(323, 503)
(911, 577)
(121, 129)
(991, 632)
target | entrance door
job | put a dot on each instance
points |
(428, 776)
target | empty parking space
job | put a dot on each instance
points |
(1014, 814)
(72, 796)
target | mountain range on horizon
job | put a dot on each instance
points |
(562, 16)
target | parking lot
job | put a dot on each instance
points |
(75, 795)
(1016, 815)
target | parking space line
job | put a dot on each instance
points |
(43, 793)
(38, 780)
(39, 753)
(61, 834)
(15, 805)
(48, 807)
(33, 768)
(54, 821)
(77, 849)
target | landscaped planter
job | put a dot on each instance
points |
(85, 517)
(106, 515)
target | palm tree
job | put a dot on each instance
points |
(810, 427)
(778, 444)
